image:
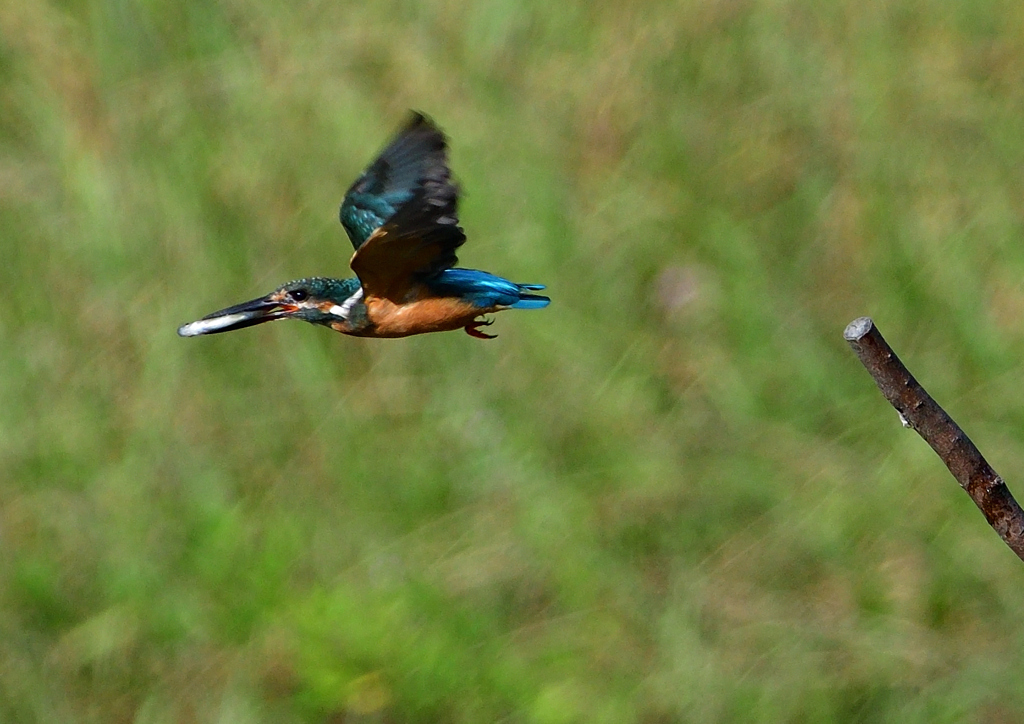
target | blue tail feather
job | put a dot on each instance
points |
(531, 301)
(487, 290)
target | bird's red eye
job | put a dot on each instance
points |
(299, 295)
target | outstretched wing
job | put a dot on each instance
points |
(417, 243)
(414, 163)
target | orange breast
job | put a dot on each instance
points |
(432, 314)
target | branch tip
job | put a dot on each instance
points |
(858, 328)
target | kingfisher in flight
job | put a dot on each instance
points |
(401, 217)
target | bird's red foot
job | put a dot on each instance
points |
(473, 329)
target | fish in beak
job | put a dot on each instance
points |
(246, 314)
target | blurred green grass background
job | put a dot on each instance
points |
(672, 496)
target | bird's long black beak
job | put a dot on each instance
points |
(246, 314)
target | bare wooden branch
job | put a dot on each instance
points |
(919, 411)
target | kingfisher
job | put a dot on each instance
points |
(401, 217)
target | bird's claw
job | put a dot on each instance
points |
(473, 329)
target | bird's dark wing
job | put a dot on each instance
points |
(417, 243)
(415, 162)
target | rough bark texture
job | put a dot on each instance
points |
(920, 412)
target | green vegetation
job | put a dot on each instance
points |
(672, 496)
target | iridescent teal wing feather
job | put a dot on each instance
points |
(414, 246)
(414, 163)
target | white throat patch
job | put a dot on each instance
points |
(342, 310)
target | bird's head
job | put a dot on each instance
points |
(317, 300)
